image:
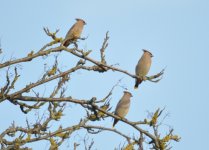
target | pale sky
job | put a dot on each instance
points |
(176, 32)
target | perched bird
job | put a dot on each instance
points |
(143, 66)
(123, 105)
(74, 33)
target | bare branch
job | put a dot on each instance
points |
(107, 129)
(15, 137)
(104, 46)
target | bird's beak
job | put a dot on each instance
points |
(84, 22)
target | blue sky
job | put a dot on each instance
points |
(176, 32)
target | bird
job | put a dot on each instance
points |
(143, 67)
(123, 106)
(74, 33)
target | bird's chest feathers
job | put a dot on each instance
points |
(143, 66)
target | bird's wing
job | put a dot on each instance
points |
(122, 104)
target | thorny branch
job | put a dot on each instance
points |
(96, 110)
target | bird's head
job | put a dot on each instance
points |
(128, 93)
(81, 20)
(146, 51)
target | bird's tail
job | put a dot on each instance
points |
(138, 81)
(114, 123)
(66, 43)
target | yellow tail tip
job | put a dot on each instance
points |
(135, 88)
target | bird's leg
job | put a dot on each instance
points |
(143, 78)
(75, 44)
